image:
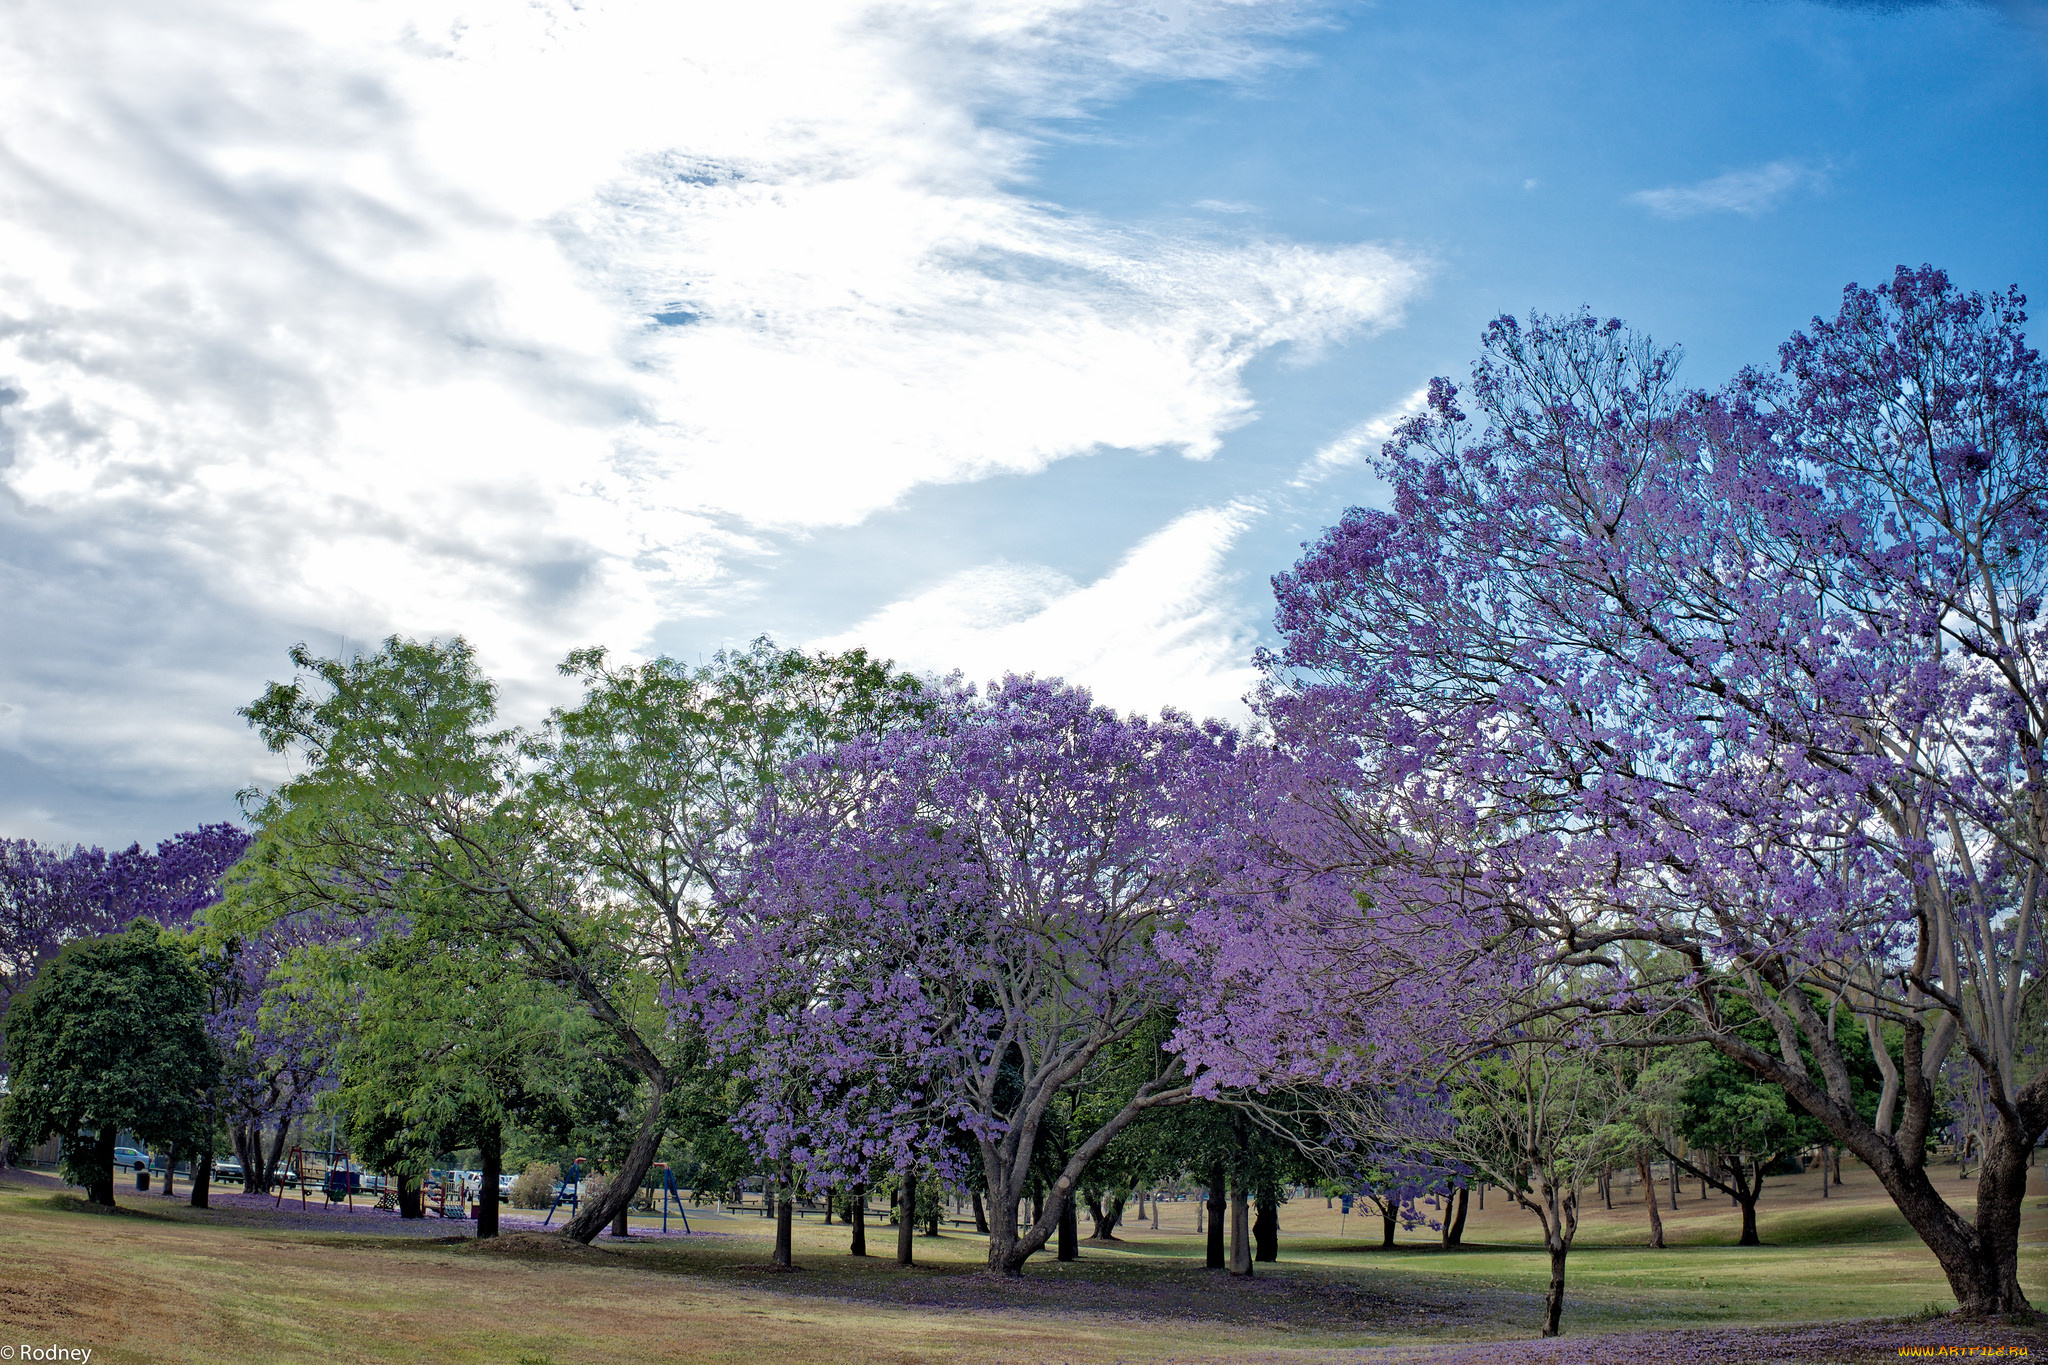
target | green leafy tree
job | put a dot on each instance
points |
(1737, 1127)
(442, 1048)
(110, 1036)
(589, 853)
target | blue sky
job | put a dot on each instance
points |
(1007, 335)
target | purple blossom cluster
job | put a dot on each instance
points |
(49, 896)
(1640, 698)
(951, 924)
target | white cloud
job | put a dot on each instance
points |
(343, 318)
(1360, 441)
(1748, 192)
(1159, 628)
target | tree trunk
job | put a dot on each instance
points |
(1217, 1201)
(1749, 1237)
(1107, 1215)
(830, 1195)
(1240, 1231)
(906, 1217)
(1553, 1301)
(980, 1212)
(785, 1215)
(619, 1192)
(171, 1172)
(494, 1165)
(101, 1190)
(1266, 1228)
(1388, 1213)
(276, 1154)
(857, 1214)
(202, 1177)
(622, 1224)
(1070, 1233)
(411, 1200)
(1650, 1202)
(1454, 1230)
(1674, 1187)
(1607, 1188)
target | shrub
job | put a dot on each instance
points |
(535, 1187)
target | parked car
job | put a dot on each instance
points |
(228, 1169)
(130, 1159)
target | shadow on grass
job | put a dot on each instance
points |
(71, 1203)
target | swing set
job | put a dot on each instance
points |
(572, 1188)
(572, 1185)
(342, 1181)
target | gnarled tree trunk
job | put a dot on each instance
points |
(1553, 1298)
(625, 1182)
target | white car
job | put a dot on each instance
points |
(129, 1159)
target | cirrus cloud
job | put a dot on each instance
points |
(522, 320)
(1748, 192)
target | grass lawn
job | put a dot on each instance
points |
(161, 1282)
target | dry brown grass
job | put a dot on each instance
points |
(163, 1283)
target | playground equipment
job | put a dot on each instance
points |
(341, 1181)
(439, 1185)
(294, 1166)
(572, 1185)
(668, 1192)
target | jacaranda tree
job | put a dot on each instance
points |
(966, 931)
(1700, 697)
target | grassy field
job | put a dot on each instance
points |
(160, 1282)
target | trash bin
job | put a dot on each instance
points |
(142, 1181)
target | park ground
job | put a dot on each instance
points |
(1838, 1280)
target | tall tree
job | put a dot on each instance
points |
(111, 1036)
(1755, 678)
(50, 897)
(582, 851)
(971, 934)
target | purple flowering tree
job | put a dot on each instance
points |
(964, 935)
(278, 1050)
(1695, 697)
(47, 898)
